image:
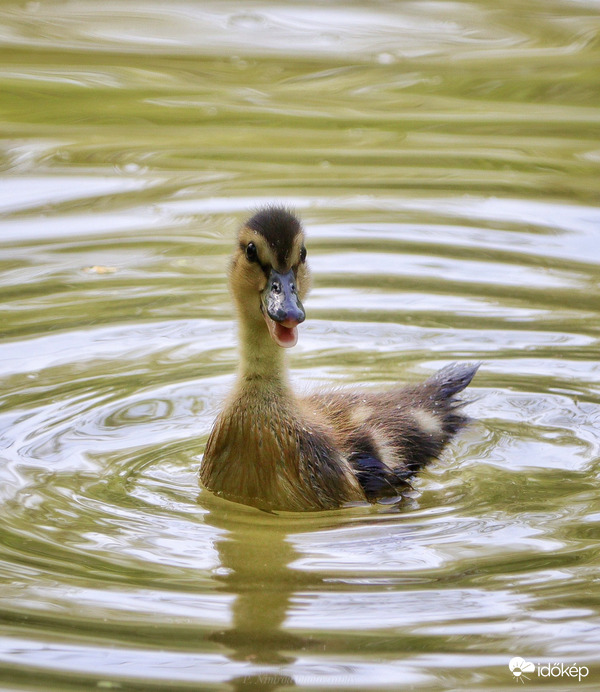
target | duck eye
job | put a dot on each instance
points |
(251, 253)
(303, 254)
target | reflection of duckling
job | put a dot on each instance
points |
(277, 452)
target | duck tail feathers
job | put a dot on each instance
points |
(453, 378)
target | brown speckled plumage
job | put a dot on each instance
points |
(278, 452)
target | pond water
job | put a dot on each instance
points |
(445, 159)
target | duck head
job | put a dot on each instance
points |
(269, 276)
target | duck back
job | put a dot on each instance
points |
(389, 436)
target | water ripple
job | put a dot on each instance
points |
(444, 159)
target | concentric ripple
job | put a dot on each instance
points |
(444, 158)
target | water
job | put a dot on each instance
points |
(445, 160)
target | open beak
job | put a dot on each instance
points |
(282, 309)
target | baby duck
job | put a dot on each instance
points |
(275, 451)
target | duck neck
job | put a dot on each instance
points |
(262, 360)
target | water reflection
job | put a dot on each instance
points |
(255, 559)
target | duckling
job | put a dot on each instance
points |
(275, 451)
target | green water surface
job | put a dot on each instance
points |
(445, 159)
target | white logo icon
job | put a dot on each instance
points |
(518, 666)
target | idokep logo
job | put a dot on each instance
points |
(519, 667)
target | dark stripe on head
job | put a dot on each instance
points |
(279, 227)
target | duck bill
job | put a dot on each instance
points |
(282, 308)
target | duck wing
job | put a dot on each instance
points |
(389, 436)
